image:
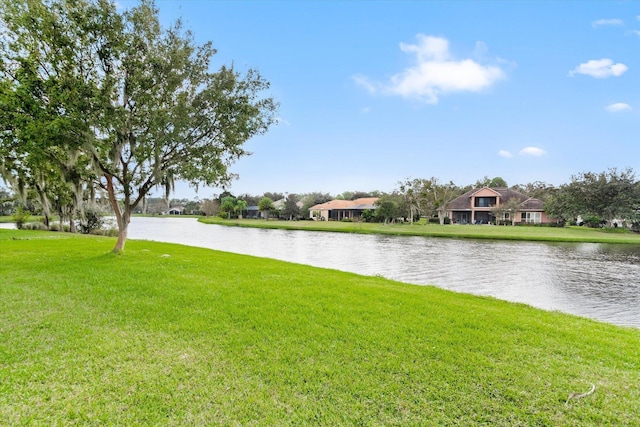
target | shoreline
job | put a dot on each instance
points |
(572, 234)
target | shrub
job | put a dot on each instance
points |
(34, 226)
(90, 221)
(367, 215)
(109, 232)
(20, 217)
(559, 224)
(593, 221)
(436, 220)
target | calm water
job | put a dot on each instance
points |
(591, 280)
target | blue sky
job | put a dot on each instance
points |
(374, 92)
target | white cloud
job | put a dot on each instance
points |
(364, 82)
(636, 32)
(429, 48)
(603, 22)
(600, 68)
(435, 72)
(532, 151)
(618, 106)
(282, 121)
(504, 153)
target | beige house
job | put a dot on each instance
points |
(175, 210)
(477, 207)
(337, 210)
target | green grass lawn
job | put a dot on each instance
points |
(173, 335)
(531, 233)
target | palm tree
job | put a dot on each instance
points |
(266, 206)
(240, 207)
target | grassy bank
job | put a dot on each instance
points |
(6, 219)
(174, 335)
(529, 233)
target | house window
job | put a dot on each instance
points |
(531, 217)
(505, 216)
(485, 202)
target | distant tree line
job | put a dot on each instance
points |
(609, 198)
(597, 199)
(277, 205)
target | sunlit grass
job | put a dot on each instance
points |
(174, 335)
(529, 233)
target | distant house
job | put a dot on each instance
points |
(280, 205)
(176, 210)
(253, 212)
(477, 206)
(337, 210)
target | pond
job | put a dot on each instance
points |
(593, 280)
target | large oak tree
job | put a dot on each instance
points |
(428, 196)
(140, 101)
(606, 196)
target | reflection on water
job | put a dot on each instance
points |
(591, 280)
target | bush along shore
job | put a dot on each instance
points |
(524, 232)
(166, 334)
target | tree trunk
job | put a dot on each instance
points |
(123, 217)
(74, 210)
(122, 238)
(61, 221)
